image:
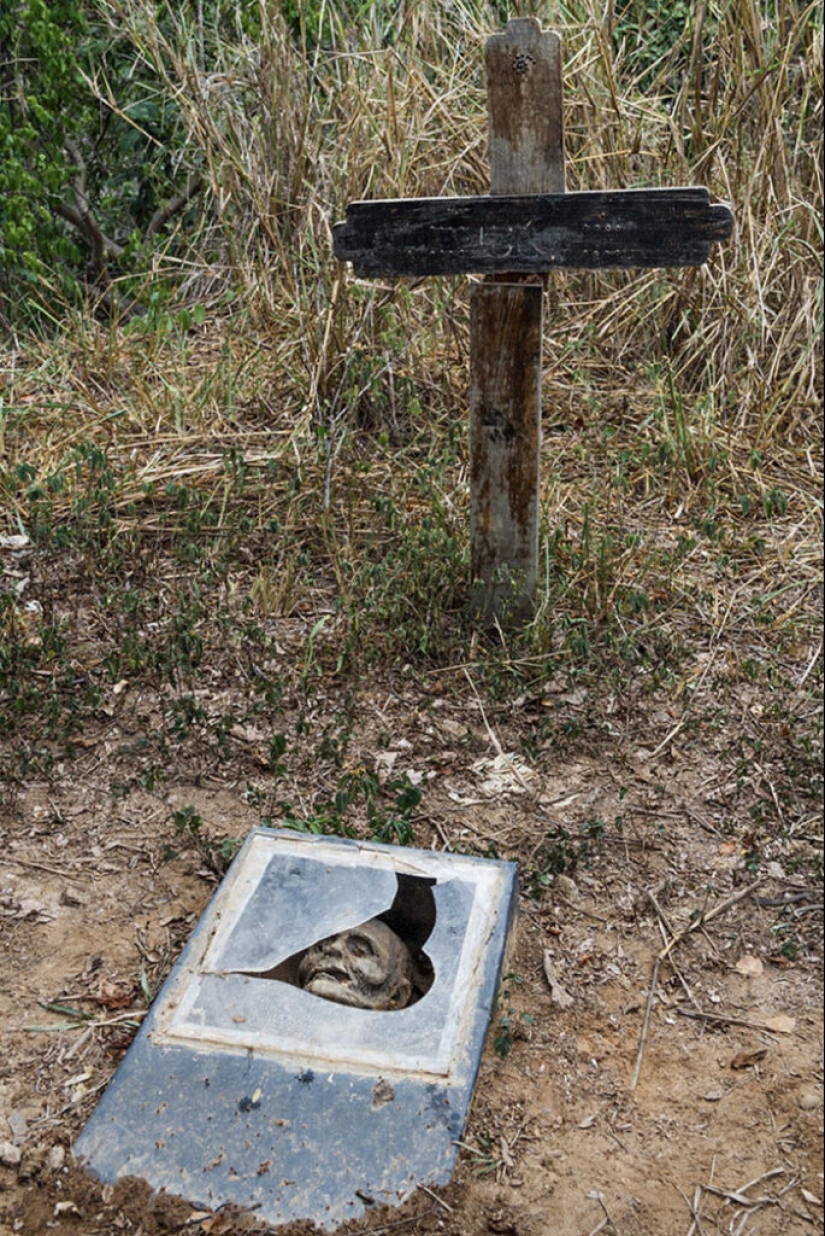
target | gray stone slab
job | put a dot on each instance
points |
(243, 1087)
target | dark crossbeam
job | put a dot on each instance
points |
(531, 233)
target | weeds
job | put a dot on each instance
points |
(562, 852)
(388, 809)
(511, 1024)
(189, 829)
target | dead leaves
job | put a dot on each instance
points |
(504, 773)
(557, 993)
(110, 995)
(747, 1059)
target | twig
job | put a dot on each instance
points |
(701, 821)
(708, 915)
(733, 1195)
(446, 840)
(811, 664)
(664, 926)
(494, 738)
(705, 917)
(397, 1224)
(694, 1207)
(21, 862)
(87, 1021)
(608, 1219)
(436, 1198)
(721, 1019)
(599, 1227)
(776, 1171)
(651, 995)
(599, 918)
(121, 1018)
(670, 736)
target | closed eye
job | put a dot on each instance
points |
(360, 946)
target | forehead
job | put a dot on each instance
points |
(373, 932)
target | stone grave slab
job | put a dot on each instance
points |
(245, 1086)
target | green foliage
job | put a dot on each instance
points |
(388, 808)
(511, 1024)
(90, 150)
(412, 584)
(561, 853)
(189, 828)
(41, 79)
(652, 31)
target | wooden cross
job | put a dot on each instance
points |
(527, 227)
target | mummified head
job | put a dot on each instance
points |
(367, 967)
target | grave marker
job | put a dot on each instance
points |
(247, 1086)
(527, 227)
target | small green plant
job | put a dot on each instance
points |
(511, 1024)
(790, 949)
(562, 852)
(485, 1160)
(388, 808)
(503, 1038)
(189, 828)
(393, 823)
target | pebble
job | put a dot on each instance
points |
(567, 887)
(810, 1098)
(10, 1155)
(19, 1126)
(56, 1158)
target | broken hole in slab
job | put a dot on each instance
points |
(379, 965)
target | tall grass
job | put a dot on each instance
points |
(392, 104)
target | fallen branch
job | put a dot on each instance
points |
(721, 1019)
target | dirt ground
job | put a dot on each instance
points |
(722, 1131)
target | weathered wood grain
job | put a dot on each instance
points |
(532, 233)
(505, 447)
(524, 88)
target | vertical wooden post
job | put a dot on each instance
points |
(524, 92)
